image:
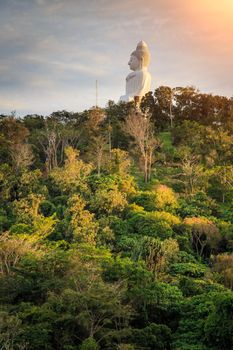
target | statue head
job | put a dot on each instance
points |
(139, 58)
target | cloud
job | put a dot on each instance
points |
(52, 51)
(11, 104)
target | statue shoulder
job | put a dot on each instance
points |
(130, 76)
(143, 74)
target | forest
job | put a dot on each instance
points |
(116, 226)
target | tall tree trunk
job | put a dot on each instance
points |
(146, 168)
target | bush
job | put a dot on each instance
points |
(89, 344)
(128, 244)
(197, 205)
(47, 208)
(190, 286)
(161, 198)
(165, 198)
(219, 325)
(3, 223)
(155, 224)
(146, 199)
(185, 257)
(188, 269)
(60, 200)
(154, 336)
(21, 229)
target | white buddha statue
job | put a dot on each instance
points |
(138, 82)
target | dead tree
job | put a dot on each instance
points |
(139, 126)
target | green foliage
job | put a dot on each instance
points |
(31, 182)
(107, 198)
(194, 311)
(223, 264)
(155, 224)
(188, 269)
(74, 173)
(167, 145)
(82, 222)
(4, 223)
(154, 336)
(197, 205)
(47, 208)
(218, 326)
(21, 229)
(190, 286)
(146, 199)
(122, 268)
(89, 344)
(161, 198)
(10, 330)
(91, 256)
(204, 234)
(119, 162)
(108, 201)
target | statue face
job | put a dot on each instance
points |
(134, 63)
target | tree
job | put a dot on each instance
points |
(89, 311)
(23, 158)
(165, 198)
(115, 116)
(10, 329)
(224, 176)
(154, 224)
(158, 254)
(99, 146)
(16, 135)
(218, 326)
(186, 103)
(119, 162)
(27, 208)
(96, 137)
(82, 223)
(194, 311)
(204, 234)
(49, 139)
(73, 174)
(108, 199)
(154, 336)
(223, 264)
(193, 175)
(12, 250)
(139, 126)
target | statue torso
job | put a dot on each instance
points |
(137, 84)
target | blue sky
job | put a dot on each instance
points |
(52, 51)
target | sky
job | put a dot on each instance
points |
(53, 51)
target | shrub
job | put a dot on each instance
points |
(3, 223)
(89, 344)
(145, 199)
(188, 269)
(21, 229)
(219, 326)
(197, 205)
(47, 208)
(154, 336)
(148, 224)
(155, 224)
(190, 286)
(165, 198)
(161, 198)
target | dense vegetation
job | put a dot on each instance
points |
(117, 226)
